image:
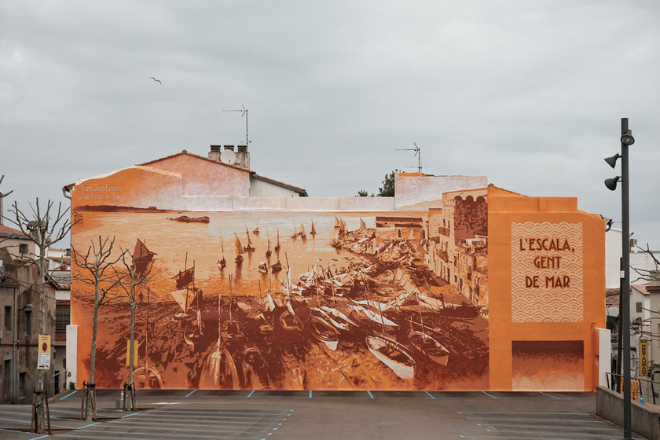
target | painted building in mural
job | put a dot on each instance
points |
(453, 284)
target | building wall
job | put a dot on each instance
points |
(259, 188)
(206, 178)
(347, 297)
(12, 245)
(20, 280)
(537, 329)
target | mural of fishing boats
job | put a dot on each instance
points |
(248, 247)
(220, 369)
(142, 258)
(324, 332)
(231, 328)
(188, 298)
(147, 378)
(268, 251)
(222, 263)
(313, 231)
(337, 223)
(239, 250)
(277, 267)
(277, 246)
(302, 233)
(392, 354)
(425, 343)
(255, 369)
(338, 319)
(256, 230)
(295, 232)
(289, 321)
(362, 312)
(263, 267)
(430, 347)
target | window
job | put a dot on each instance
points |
(23, 248)
(26, 322)
(62, 317)
(639, 307)
(21, 384)
(7, 317)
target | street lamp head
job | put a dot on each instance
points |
(627, 138)
(611, 183)
(611, 161)
(608, 225)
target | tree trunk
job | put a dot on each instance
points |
(92, 364)
(130, 358)
(41, 272)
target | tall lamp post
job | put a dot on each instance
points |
(627, 139)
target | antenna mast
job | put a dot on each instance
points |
(418, 154)
(244, 112)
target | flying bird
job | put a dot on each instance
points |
(156, 80)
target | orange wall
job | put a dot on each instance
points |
(505, 208)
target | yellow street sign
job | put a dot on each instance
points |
(135, 353)
(643, 357)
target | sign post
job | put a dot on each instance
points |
(643, 357)
(43, 361)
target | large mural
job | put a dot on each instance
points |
(281, 300)
(453, 284)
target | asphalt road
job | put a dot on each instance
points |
(321, 415)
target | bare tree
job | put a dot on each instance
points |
(95, 269)
(44, 228)
(135, 274)
(648, 274)
(2, 196)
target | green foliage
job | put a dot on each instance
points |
(387, 190)
(363, 193)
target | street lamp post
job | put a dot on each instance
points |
(627, 139)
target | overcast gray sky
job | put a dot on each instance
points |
(528, 93)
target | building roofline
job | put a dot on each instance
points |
(300, 191)
(185, 152)
(490, 185)
(7, 232)
(252, 173)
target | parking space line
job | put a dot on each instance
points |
(250, 395)
(550, 395)
(310, 394)
(30, 422)
(190, 393)
(489, 395)
(431, 395)
(71, 394)
(490, 436)
(526, 419)
(526, 413)
(87, 426)
(370, 395)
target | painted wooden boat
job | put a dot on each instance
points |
(392, 354)
(324, 332)
(430, 347)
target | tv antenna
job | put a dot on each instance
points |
(418, 154)
(244, 112)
